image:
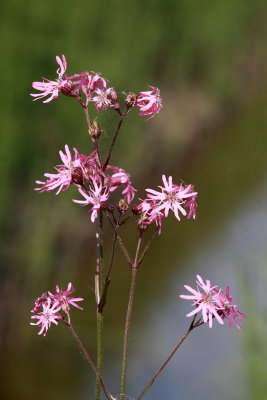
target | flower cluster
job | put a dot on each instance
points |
(212, 303)
(51, 306)
(172, 197)
(94, 88)
(93, 184)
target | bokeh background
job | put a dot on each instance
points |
(209, 60)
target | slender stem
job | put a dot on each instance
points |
(114, 139)
(147, 246)
(99, 318)
(192, 326)
(103, 299)
(128, 321)
(87, 116)
(97, 270)
(98, 290)
(108, 395)
(95, 142)
(122, 245)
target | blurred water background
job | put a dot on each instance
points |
(209, 60)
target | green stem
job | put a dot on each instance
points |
(128, 321)
(98, 290)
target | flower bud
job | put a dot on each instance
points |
(122, 206)
(112, 95)
(94, 130)
(130, 100)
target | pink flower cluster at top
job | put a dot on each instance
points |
(172, 197)
(51, 305)
(95, 89)
(93, 184)
(212, 303)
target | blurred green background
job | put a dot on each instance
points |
(209, 60)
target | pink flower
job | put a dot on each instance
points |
(77, 169)
(148, 216)
(212, 303)
(96, 195)
(171, 197)
(122, 178)
(149, 102)
(192, 207)
(203, 301)
(52, 88)
(102, 99)
(65, 174)
(89, 83)
(47, 316)
(38, 302)
(229, 310)
(63, 301)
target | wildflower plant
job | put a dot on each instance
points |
(94, 180)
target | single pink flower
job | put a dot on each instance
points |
(52, 88)
(204, 301)
(191, 204)
(47, 316)
(229, 311)
(122, 178)
(149, 102)
(65, 172)
(38, 302)
(148, 214)
(102, 99)
(171, 197)
(63, 301)
(77, 169)
(89, 83)
(96, 195)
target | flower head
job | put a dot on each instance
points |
(47, 316)
(102, 99)
(149, 102)
(52, 88)
(120, 177)
(63, 301)
(77, 169)
(212, 303)
(97, 195)
(52, 305)
(171, 197)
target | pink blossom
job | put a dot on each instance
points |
(77, 169)
(203, 302)
(171, 197)
(64, 177)
(229, 310)
(122, 178)
(52, 88)
(191, 203)
(38, 302)
(102, 99)
(149, 102)
(212, 303)
(148, 216)
(89, 83)
(47, 316)
(96, 195)
(63, 301)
